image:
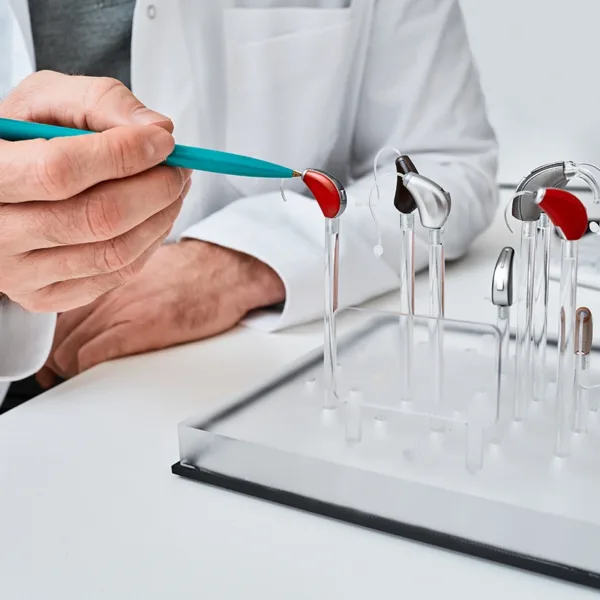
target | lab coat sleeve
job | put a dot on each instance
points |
(421, 95)
(26, 340)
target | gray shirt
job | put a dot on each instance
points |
(83, 37)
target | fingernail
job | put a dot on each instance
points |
(145, 116)
(160, 143)
(187, 174)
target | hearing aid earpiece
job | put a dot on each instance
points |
(551, 175)
(502, 281)
(327, 191)
(403, 199)
(566, 211)
(433, 202)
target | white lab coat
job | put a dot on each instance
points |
(305, 83)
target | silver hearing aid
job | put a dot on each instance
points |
(433, 202)
(551, 175)
(502, 282)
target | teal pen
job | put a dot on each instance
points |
(188, 157)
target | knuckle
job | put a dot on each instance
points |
(99, 88)
(122, 152)
(172, 180)
(102, 214)
(56, 171)
(128, 272)
(112, 255)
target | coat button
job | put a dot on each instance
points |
(151, 11)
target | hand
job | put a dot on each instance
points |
(81, 215)
(187, 291)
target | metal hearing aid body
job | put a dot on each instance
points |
(502, 297)
(432, 201)
(551, 175)
(502, 283)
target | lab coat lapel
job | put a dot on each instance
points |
(20, 9)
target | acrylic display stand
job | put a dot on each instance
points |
(454, 471)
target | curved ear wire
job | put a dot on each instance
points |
(282, 191)
(378, 249)
(376, 163)
(590, 174)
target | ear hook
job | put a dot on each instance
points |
(376, 161)
(590, 174)
(378, 249)
(509, 204)
(282, 190)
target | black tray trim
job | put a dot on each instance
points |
(390, 526)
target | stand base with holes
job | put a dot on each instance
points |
(454, 471)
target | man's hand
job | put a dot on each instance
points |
(82, 215)
(187, 291)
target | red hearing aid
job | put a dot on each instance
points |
(328, 192)
(565, 210)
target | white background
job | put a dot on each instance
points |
(538, 61)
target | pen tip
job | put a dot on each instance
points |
(296, 174)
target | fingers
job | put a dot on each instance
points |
(64, 167)
(71, 294)
(95, 103)
(68, 323)
(101, 213)
(113, 343)
(49, 266)
(46, 377)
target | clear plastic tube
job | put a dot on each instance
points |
(540, 307)
(582, 398)
(503, 324)
(588, 173)
(332, 232)
(565, 380)
(407, 302)
(436, 327)
(523, 374)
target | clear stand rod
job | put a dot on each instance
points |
(523, 375)
(436, 328)
(565, 380)
(332, 232)
(582, 399)
(540, 307)
(407, 302)
(503, 324)
(584, 333)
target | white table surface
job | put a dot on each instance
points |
(90, 510)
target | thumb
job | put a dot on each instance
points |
(95, 103)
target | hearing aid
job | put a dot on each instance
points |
(566, 211)
(551, 175)
(332, 200)
(432, 201)
(502, 298)
(327, 191)
(502, 282)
